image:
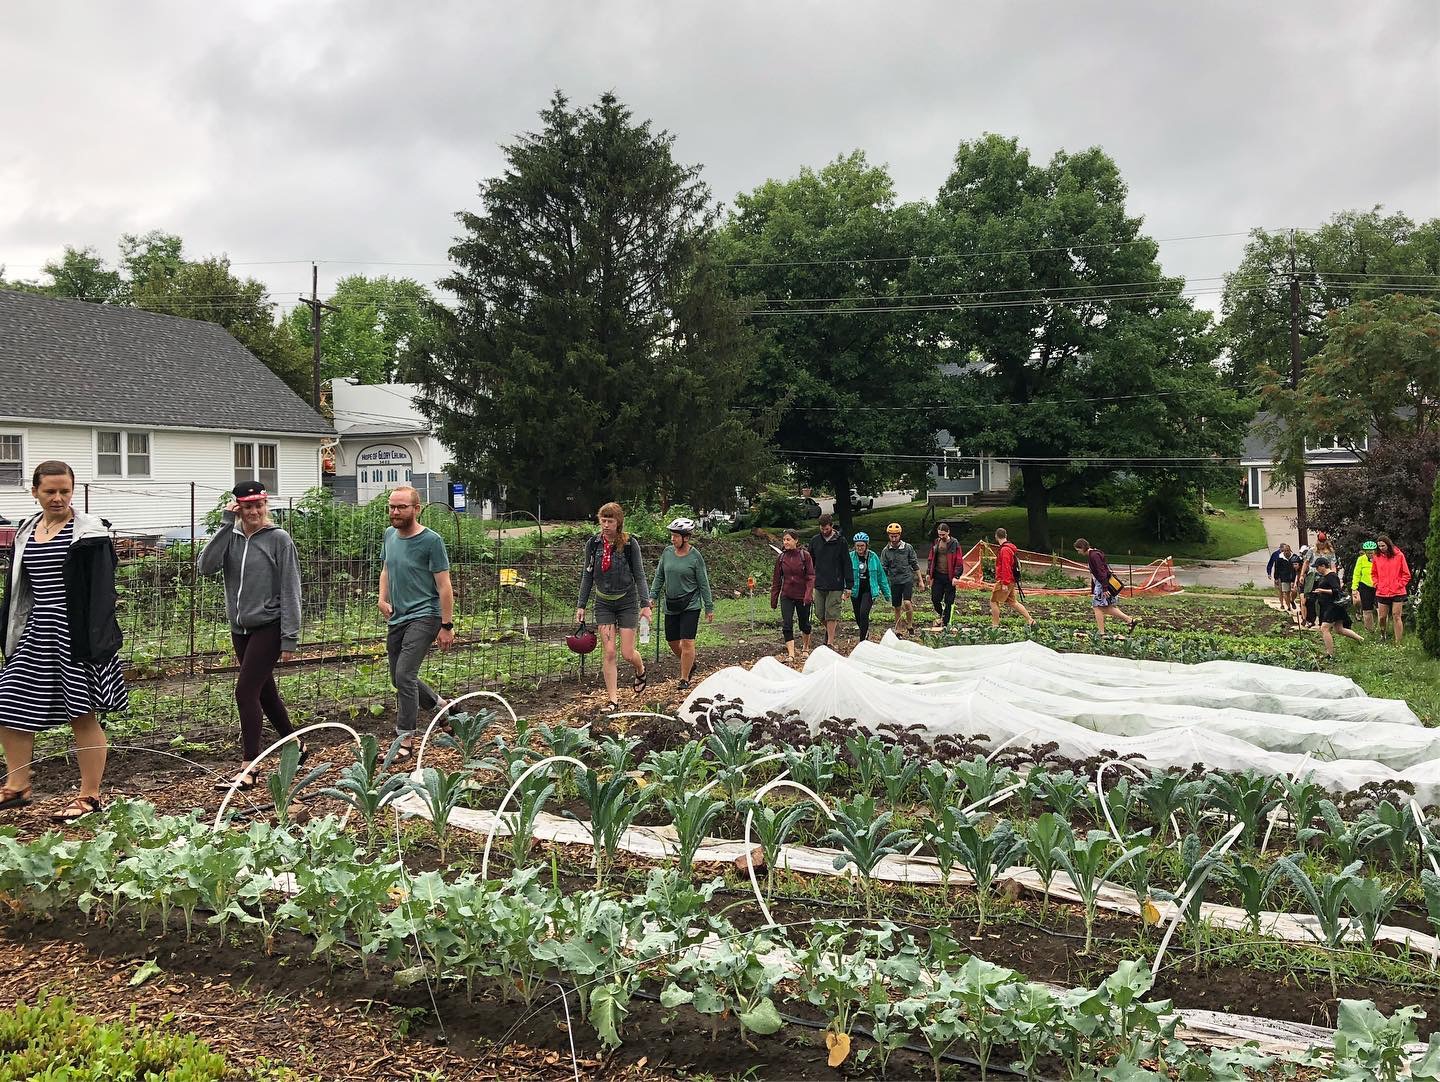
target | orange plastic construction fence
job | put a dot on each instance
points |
(1156, 577)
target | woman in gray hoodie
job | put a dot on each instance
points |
(262, 603)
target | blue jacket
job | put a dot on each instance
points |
(1275, 558)
(879, 584)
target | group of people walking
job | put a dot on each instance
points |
(62, 637)
(1310, 585)
(613, 577)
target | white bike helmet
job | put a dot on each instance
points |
(681, 525)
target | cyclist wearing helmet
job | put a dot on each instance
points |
(902, 567)
(1362, 583)
(868, 574)
(685, 583)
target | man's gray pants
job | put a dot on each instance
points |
(406, 645)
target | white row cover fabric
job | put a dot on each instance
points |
(1225, 715)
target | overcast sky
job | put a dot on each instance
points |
(353, 131)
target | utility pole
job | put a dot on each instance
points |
(317, 306)
(1301, 525)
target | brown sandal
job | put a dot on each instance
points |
(78, 809)
(15, 798)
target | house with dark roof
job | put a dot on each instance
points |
(143, 406)
(1258, 461)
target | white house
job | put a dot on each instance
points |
(147, 409)
(385, 441)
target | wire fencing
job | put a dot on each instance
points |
(513, 579)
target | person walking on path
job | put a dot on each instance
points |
(1392, 581)
(1280, 571)
(1104, 587)
(1333, 600)
(614, 569)
(418, 603)
(1324, 546)
(1007, 580)
(868, 575)
(683, 585)
(262, 602)
(944, 566)
(1362, 584)
(792, 589)
(833, 576)
(902, 568)
(1307, 611)
(61, 640)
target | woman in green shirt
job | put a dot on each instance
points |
(686, 585)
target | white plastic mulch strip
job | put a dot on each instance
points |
(658, 843)
(1225, 715)
(1212, 1029)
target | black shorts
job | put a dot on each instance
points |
(682, 625)
(1391, 599)
(1367, 597)
(901, 592)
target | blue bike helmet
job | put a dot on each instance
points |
(862, 536)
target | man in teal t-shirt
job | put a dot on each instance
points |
(683, 582)
(417, 600)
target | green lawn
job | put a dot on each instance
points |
(1232, 534)
(1390, 672)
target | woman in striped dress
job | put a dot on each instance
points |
(61, 640)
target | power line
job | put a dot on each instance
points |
(1136, 462)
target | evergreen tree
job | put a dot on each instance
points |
(592, 352)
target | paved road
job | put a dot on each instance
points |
(884, 499)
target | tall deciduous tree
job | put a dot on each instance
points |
(1356, 257)
(591, 352)
(825, 261)
(1081, 346)
(376, 325)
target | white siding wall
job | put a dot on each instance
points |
(162, 500)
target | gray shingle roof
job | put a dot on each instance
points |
(100, 363)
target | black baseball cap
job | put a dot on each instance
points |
(249, 492)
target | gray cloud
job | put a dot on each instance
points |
(354, 131)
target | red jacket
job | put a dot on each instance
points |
(1391, 574)
(957, 559)
(794, 577)
(1007, 561)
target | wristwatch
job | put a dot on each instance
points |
(447, 627)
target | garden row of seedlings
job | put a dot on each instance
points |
(1348, 866)
(528, 940)
(1175, 646)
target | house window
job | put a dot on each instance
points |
(122, 454)
(12, 459)
(1331, 443)
(258, 462)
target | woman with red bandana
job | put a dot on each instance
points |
(615, 571)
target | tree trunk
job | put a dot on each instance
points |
(844, 519)
(1037, 508)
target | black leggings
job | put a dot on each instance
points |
(790, 611)
(942, 597)
(256, 696)
(862, 601)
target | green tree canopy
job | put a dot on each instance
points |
(825, 261)
(81, 274)
(1357, 255)
(1355, 258)
(592, 351)
(378, 323)
(1080, 347)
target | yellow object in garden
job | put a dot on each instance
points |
(510, 577)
